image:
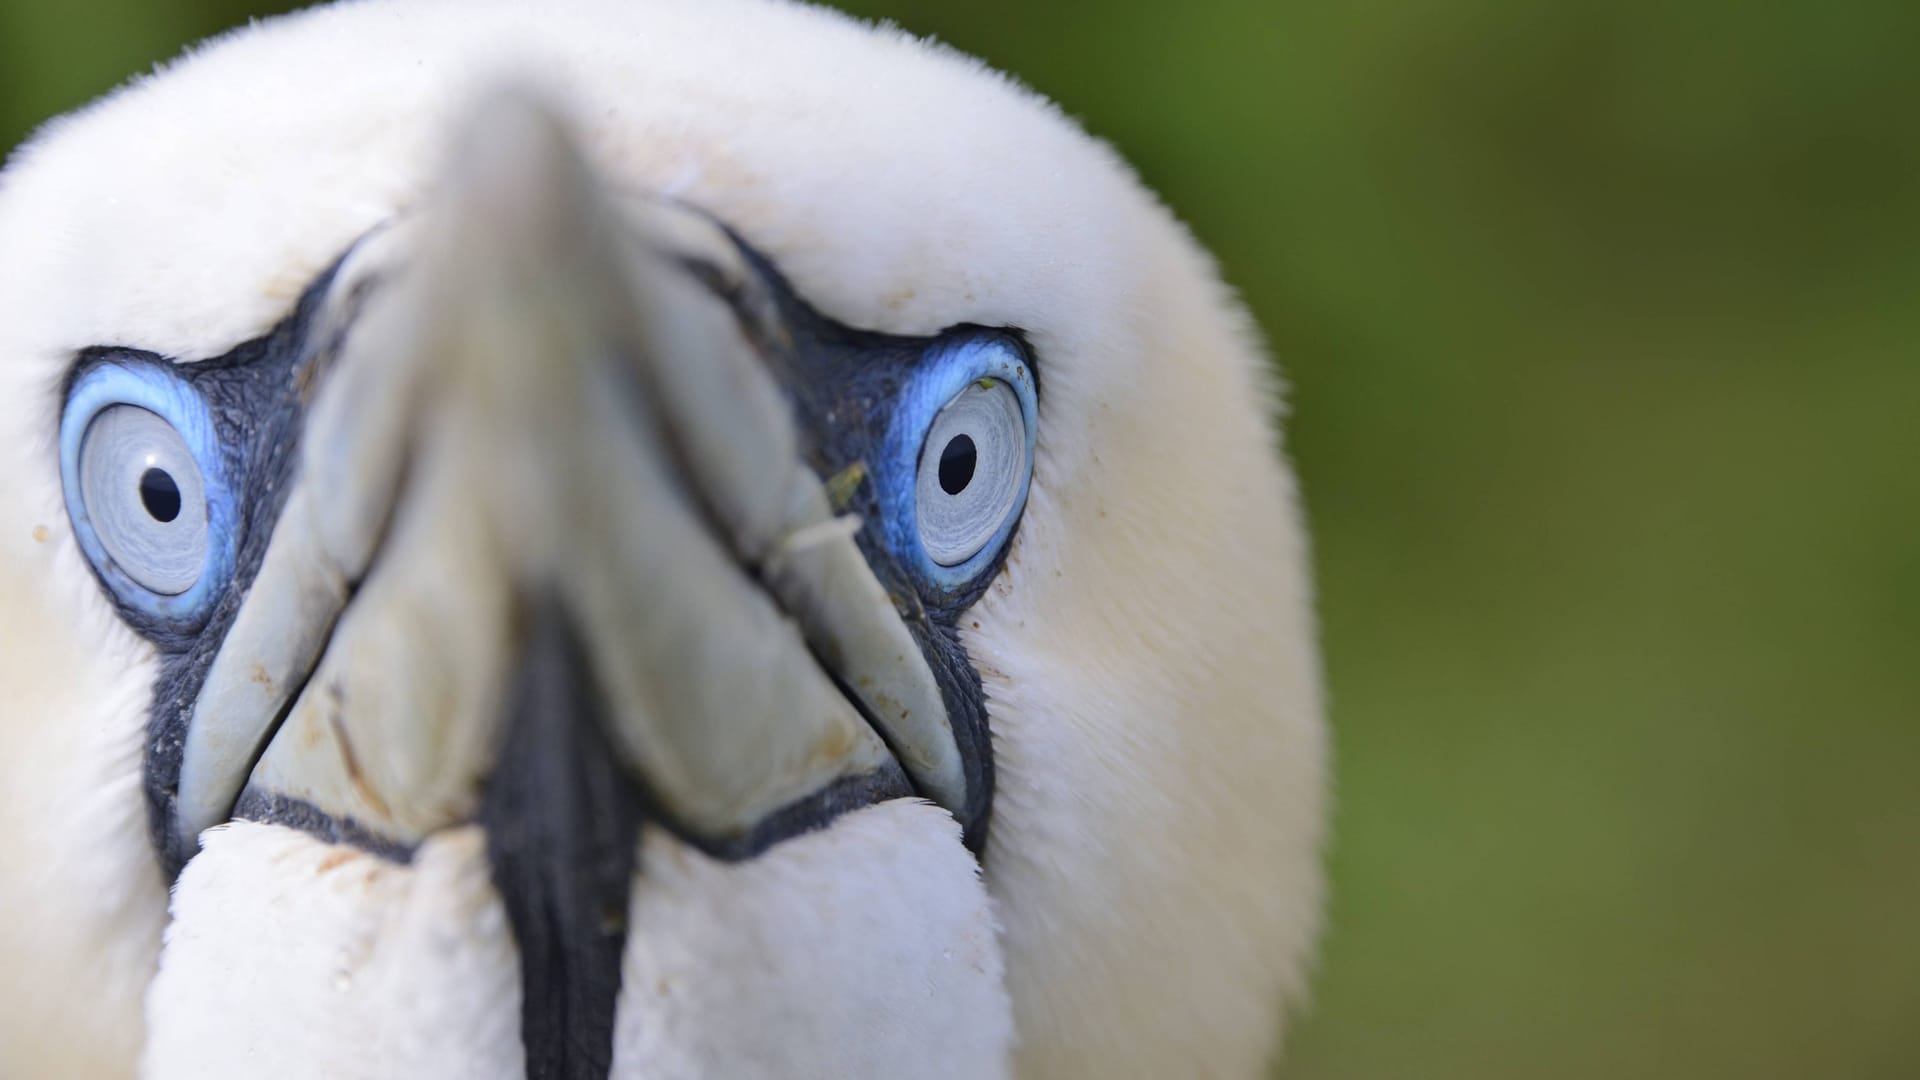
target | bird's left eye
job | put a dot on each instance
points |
(144, 490)
(973, 471)
(968, 425)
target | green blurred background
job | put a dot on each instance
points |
(1601, 321)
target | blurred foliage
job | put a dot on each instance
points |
(1601, 320)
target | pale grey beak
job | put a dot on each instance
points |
(545, 414)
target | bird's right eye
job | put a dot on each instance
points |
(145, 498)
(145, 491)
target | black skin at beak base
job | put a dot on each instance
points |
(561, 821)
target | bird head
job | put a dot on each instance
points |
(601, 538)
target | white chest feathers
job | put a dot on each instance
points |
(866, 949)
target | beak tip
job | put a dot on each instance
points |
(514, 164)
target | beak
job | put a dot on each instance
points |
(554, 561)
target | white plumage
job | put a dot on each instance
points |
(1150, 894)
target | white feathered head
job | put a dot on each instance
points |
(658, 538)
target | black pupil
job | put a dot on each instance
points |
(956, 465)
(161, 496)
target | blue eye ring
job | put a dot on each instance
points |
(949, 368)
(149, 385)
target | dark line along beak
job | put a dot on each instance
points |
(562, 822)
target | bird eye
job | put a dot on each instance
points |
(144, 497)
(143, 489)
(973, 471)
(965, 433)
